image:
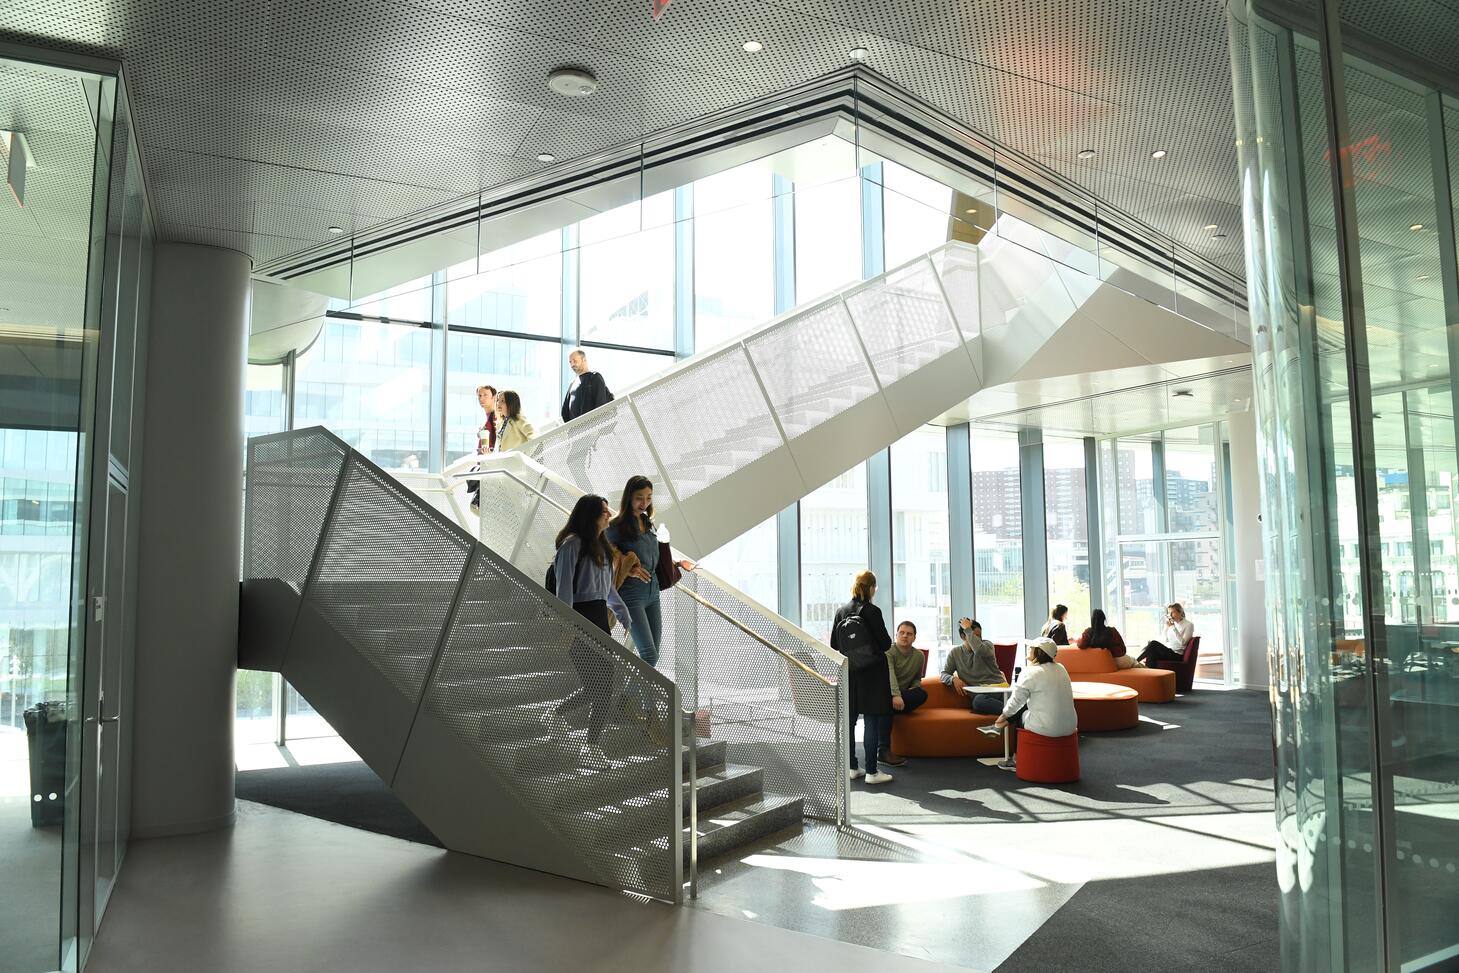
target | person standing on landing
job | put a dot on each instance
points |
(859, 633)
(587, 392)
(974, 663)
(1178, 633)
(633, 530)
(904, 669)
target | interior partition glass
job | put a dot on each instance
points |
(1066, 513)
(997, 533)
(833, 548)
(921, 567)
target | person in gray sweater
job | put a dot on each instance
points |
(974, 663)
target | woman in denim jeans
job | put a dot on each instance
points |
(633, 530)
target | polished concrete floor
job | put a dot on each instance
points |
(283, 891)
(30, 868)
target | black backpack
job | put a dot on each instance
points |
(853, 640)
(550, 581)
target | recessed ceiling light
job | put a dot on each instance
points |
(972, 212)
(1212, 226)
(1416, 227)
(1158, 154)
(572, 82)
(859, 53)
(753, 47)
(546, 157)
(1086, 153)
(336, 230)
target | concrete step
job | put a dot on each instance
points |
(639, 814)
(737, 823)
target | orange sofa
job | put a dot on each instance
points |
(943, 727)
(1097, 665)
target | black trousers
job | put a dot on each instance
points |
(1159, 652)
(594, 669)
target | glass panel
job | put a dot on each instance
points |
(51, 279)
(623, 370)
(916, 214)
(532, 369)
(1195, 567)
(626, 289)
(369, 383)
(1066, 512)
(263, 399)
(410, 301)
(827, 237)
(1143, 594)
(921, 572)
(519, 288)
(1190, 482)
(1138, 506)
(750, 563)
(997, 533)
(833, 548)
(734, 269)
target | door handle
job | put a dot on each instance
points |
(110, 719)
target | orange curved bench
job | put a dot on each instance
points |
(1097, 665)
(943, 727)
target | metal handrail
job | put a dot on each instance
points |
(477, 474)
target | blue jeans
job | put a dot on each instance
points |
(870, 738)
(645, 620)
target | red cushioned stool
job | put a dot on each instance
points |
(1048, 760)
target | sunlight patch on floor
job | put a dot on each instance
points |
(850, 884)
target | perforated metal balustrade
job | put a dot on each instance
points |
(469, 689)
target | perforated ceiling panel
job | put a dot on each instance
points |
(264, 123)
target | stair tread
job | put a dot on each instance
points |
(741, 809)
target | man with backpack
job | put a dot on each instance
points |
(859, 633)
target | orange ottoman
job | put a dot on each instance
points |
(1105, 706)
(1047, 760)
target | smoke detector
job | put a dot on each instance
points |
(572, 82)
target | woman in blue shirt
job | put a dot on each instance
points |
(584, 579)
(633, 530)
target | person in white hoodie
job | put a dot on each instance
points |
(1042, 700)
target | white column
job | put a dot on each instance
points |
(188, 559)
(1250, 655)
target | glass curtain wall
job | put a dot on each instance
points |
(1349, 167)
(75, 279)
(921, 566)
(1066, 519)
(997, 533)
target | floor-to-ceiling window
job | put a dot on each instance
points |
(997, 533)
(1066, 519)
(921, 565)
(833, 548)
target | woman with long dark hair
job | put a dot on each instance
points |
(584, 578)
(1100, 635)
(1054, 626)
(513, 431)
(633, 531)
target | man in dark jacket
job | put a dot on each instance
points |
(588, 390)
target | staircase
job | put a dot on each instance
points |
(442, 666)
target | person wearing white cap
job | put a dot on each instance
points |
(1042, 701)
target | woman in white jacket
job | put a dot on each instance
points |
(1042, 701)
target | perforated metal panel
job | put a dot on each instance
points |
(290, 480)
(904, 321)
(598, 452)
(708, 419)
(812, 366)
(332, 85)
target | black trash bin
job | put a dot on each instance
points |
(45, 732)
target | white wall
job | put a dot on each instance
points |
(1250, 651)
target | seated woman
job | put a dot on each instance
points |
(1042, 701)
(1101, 636)
(1178, 632)
(1054, 626)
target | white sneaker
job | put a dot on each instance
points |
(855, 774)
(881, 777)
(594, 756)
